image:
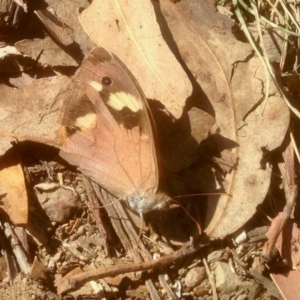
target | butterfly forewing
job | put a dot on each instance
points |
(108, 131)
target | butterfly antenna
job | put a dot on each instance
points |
(192, 218)
(111, 203)
(192, 195)
(202, 194)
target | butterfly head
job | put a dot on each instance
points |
(143, 202)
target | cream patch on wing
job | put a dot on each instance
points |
(86, 122)
(119, 100)
(96, 85)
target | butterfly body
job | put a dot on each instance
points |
(145, 201)
(108, 132)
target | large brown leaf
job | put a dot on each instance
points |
(235, 88)
(130, 30)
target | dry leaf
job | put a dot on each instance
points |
(35, 116)
(14, 202)
(203, 38)
(46, 51)
(129, 29)
(65, 15)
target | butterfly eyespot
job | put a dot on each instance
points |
(106, 81)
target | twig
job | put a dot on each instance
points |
(8, 256)
(17, 248)
(210, 278)
(79, 279)
(167, 287)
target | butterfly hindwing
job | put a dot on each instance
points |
(108, 129)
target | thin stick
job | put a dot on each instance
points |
(79, 279)
(211, 278)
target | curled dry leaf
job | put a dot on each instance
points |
(138, 42)
(203, 38)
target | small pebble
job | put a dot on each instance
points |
(182, 271)
(59, 205)
(195, 276)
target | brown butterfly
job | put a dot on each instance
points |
(108, 132)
